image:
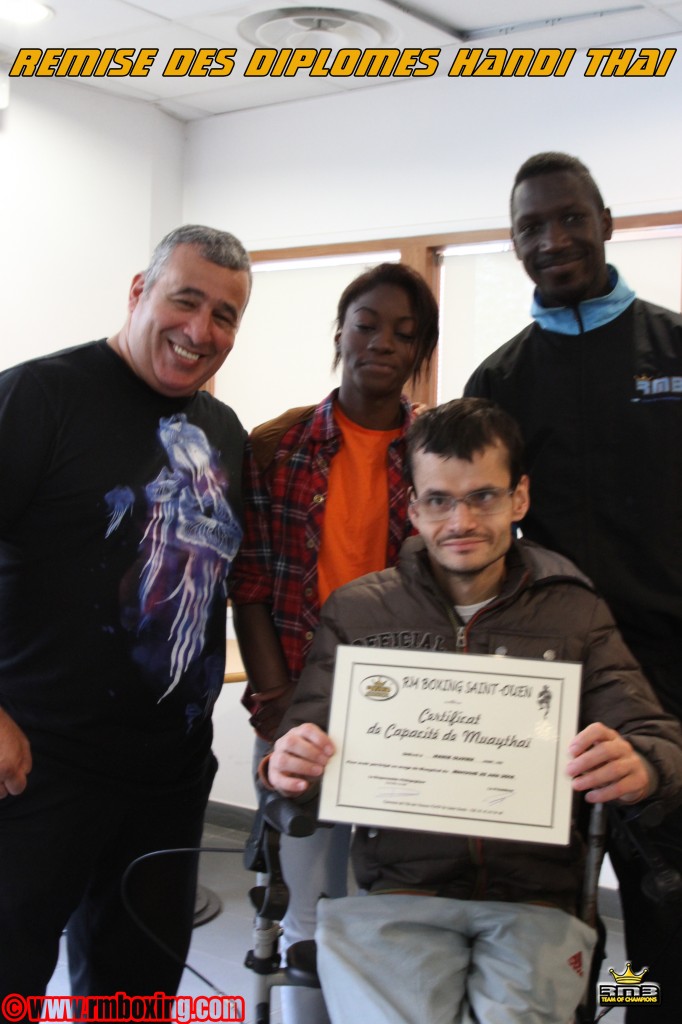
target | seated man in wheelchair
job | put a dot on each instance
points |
(459, 928)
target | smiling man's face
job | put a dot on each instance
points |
(182, 329)
(467, 550)
(559, 233)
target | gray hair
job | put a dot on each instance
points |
(216, 246)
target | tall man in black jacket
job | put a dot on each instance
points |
(596, 384)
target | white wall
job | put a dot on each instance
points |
(233, 739)
(88, 185)
(429, 154)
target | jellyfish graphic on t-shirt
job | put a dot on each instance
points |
(190, 539)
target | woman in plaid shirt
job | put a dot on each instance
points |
(325, 502)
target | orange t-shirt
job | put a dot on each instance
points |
(355, 528)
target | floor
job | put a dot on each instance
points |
(219, 946)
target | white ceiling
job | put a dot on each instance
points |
(167, 25)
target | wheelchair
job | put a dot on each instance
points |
(277, 816)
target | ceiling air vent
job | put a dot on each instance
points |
(316, 27)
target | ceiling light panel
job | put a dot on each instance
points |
(76, 21)
(23, 12)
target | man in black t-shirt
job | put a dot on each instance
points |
(119, 519)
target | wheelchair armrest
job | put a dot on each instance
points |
(276, 815)
(288, 817)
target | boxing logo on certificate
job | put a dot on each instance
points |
(460, 743)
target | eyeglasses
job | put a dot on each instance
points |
(485, 502)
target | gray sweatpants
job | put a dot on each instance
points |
(394, 959)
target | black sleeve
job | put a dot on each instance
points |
(28, 427)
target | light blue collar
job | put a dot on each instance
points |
(588, 315)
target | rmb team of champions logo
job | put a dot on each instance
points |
(628, 989)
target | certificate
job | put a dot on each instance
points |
(460, 743)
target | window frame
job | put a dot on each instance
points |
(423, 253)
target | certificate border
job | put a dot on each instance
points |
(564, 677)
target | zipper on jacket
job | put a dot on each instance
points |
(475, 844)
(581, 325)
(476, 853)
(586, 560)
(461, 630)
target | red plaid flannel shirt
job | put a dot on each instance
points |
(283, 515)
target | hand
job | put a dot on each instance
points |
(606, 767)
(270, 712)
(15, 757)
(299, 758)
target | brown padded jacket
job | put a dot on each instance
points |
(547, 609)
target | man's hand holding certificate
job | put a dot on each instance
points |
(452, 743)
(462, 744)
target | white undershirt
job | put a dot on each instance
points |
(467, 611)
